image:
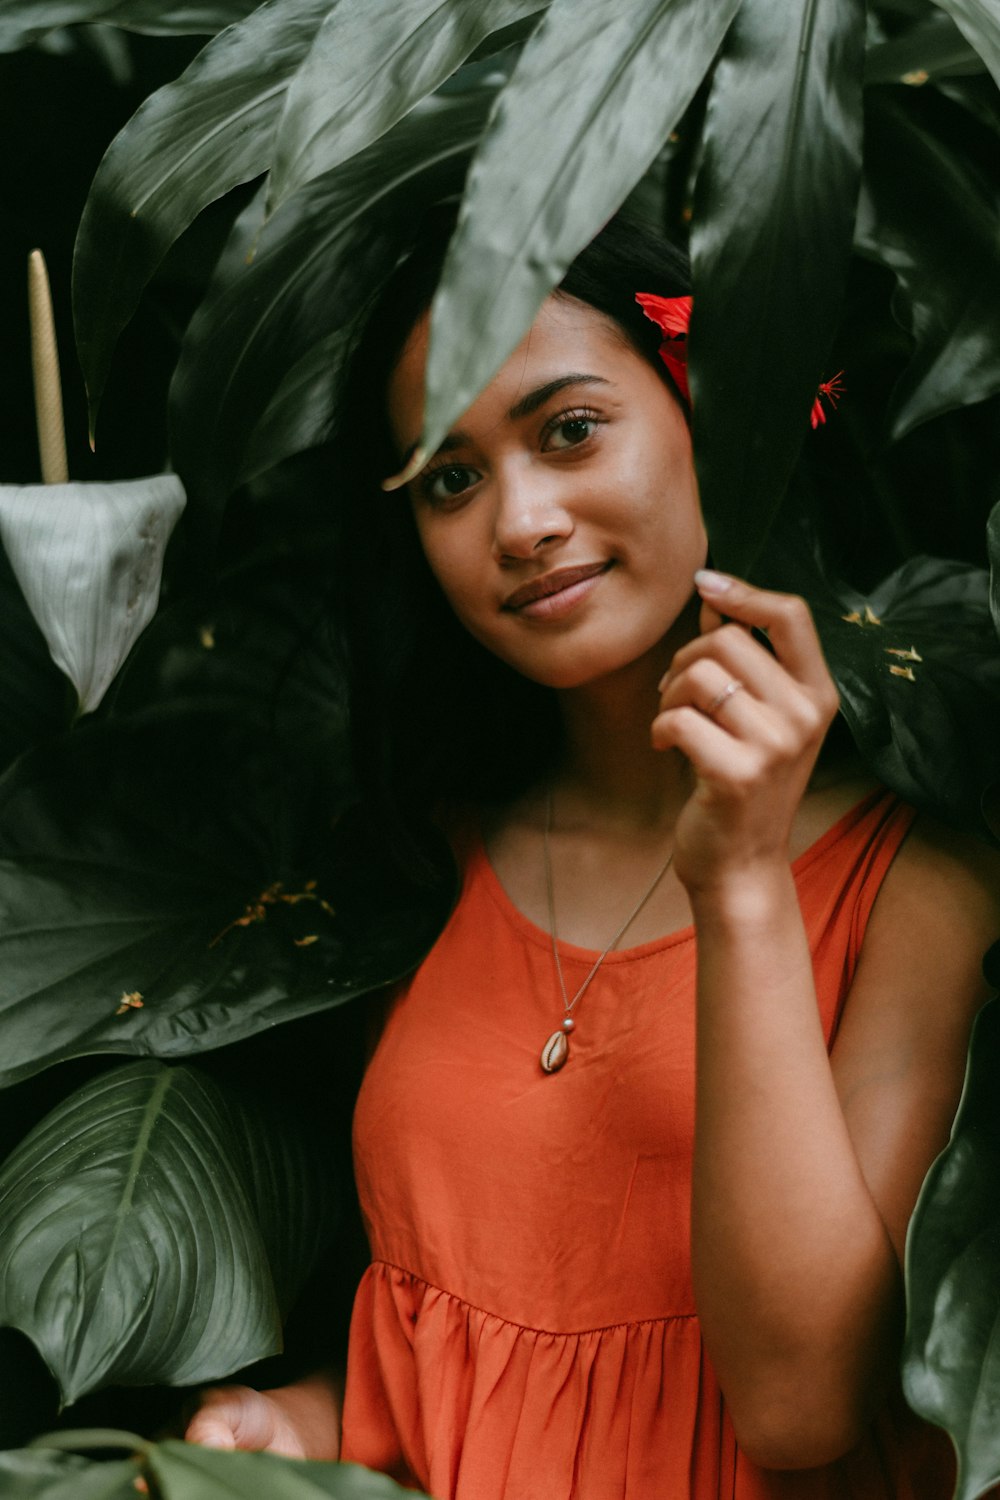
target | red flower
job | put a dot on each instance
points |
(832, 389)
(673, 316)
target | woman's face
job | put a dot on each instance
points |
(561, 517)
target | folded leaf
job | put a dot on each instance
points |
(594, 96)
(352, 87)
(134, 1230)
(951, 1359)
(88, 558)
(770, 245)
(43, 1474)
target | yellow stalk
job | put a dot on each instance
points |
(45, 367)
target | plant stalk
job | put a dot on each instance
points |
(45, 368)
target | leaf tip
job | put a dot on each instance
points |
(418, 458)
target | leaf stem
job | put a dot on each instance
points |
(81, 1439)
(45, 368)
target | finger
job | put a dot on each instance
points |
(744, 660)
(714, 753)
(785, 617)
(210, 1431)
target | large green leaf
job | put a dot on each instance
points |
(88, 558)
(918, 670)
(180, 1471)
(367, 67)
(979, 23)
(919, 200)
(146, 1226)
(43, 1474)
(594, 96)
(187, 145)
(951, 1356)
(158, 17)
(771, 240)
(317, 262)
(174, 858)
(184, 1472)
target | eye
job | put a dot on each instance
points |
(569, 430)
(446, 482)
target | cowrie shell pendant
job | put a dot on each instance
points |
(555, 1052)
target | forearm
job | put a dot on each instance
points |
(796, 1280)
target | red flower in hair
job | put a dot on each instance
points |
(673, 316)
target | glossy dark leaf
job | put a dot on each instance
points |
(158, 17)
(771, 239)
(920, 200)
(317, 262)
(187, 145)
(173, 857)
(301, 411)
(979, 23)
(368, 66)
(951, 1357)
(43, 1474)
(185, 1472)
(595, 94)
(934, 47)
(918, 670)
(153, 1229)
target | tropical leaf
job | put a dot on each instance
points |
(919, 200)
(36, 18)
(771, 239)
(186, 146)
(88, 558)
(185, 1472)
(300, 414)
(43, 1474)
(979, 23)
(916, 663)
(594, 96)
(187, 860)
(951, 1359)
(367, 67)
(933, 48)
(154, 1229)
(317, 262)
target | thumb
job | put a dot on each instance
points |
(210, 1430)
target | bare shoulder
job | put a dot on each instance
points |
(942, 881)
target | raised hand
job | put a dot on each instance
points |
(750, 722)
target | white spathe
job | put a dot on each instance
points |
(88, 558)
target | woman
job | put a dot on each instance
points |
(603, 1265)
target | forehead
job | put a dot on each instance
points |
(566, 335)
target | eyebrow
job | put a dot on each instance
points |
(525, 407)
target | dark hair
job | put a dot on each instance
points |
(437, 720)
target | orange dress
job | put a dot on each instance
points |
(527, 1328)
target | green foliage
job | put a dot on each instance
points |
(180, 1472)
(154, 1229)
(951, 1363)
(35, 19)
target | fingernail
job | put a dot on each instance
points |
(707, 581)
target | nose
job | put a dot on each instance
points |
(531, 511)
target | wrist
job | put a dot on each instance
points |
(746, 895)
(312, 1408)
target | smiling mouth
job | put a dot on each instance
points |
(553, 583)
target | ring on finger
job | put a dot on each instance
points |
(732, 686)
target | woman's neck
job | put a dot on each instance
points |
(610, 774)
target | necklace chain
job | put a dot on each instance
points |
(568, 1004)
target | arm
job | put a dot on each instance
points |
(805, 1173)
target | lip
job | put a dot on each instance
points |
(556, 582)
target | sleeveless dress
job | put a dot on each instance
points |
(527, 1327)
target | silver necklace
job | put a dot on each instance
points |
(555, 1053)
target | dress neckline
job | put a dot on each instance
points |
(480, 865)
